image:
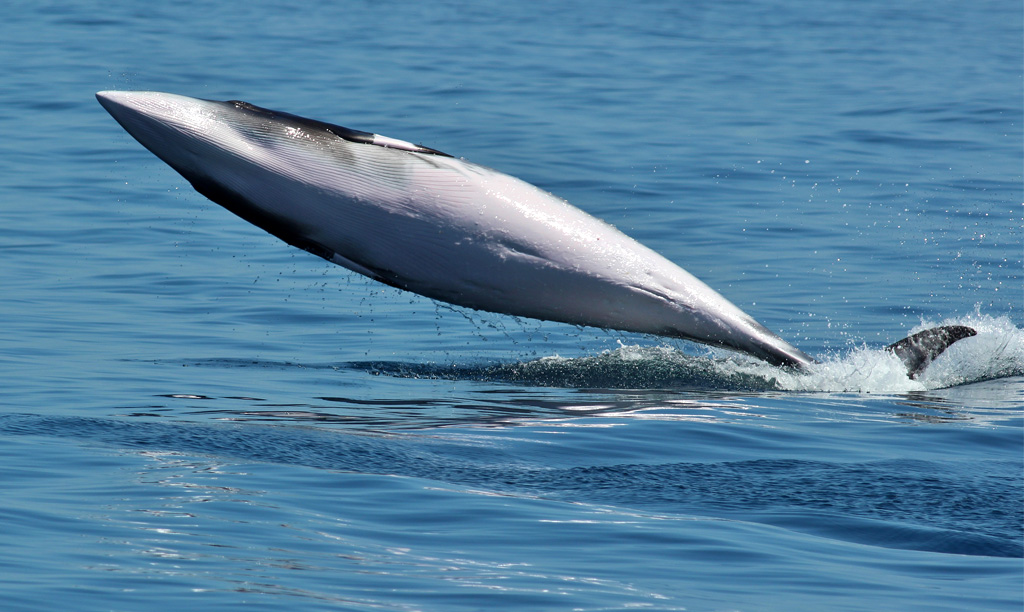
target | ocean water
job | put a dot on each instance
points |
(196, 415)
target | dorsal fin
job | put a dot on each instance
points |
(920, 349)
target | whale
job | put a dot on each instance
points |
(440, 226)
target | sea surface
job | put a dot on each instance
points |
(194, 415)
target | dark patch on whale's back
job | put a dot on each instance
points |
(340, 131)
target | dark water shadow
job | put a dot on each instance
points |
(649, 369)
(605, 371)
(490, 394)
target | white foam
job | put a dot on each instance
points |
(996, 352)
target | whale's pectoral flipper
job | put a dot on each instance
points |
(920, 349)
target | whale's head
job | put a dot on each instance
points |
(243, 157)
(186, 133)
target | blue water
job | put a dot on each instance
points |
(197, 415)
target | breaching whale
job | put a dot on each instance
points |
(424, 221)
